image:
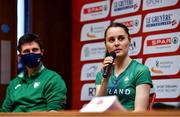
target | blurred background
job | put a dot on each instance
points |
(51, 20)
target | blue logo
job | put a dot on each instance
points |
(5, 28)
(159, 20)
(122, 5)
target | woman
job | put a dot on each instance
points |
(129, 80)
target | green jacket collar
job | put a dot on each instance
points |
(24, 73)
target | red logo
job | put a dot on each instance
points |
(163, 41)
(93, 9)
(128, 23)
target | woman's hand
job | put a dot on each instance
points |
(108, 60)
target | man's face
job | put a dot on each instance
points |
(31, 47)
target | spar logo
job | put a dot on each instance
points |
(161, 43)
(133, 23)
(161, 20)
(94, 11)
(120, 7)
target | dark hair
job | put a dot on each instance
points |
(27, 38)
(116, 24)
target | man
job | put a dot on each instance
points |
(36, 88)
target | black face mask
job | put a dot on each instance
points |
(31, 60)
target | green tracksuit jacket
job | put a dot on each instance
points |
(43, 91)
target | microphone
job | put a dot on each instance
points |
(107, 69)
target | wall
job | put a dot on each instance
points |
(8, 58)
(51, 21)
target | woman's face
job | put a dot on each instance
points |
(117, 40)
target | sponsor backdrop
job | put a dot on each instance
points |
(155, 32)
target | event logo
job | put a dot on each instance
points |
(135, 47)
(162, 43)
(120, 7)
(161, 20)
(167, 88)
(94, 11)
(88, 91)
(93, 51)
(94, 31)
(152, 4)
(89, 71)
(133, 23)
(159, 66)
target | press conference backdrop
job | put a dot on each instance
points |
(155, 42)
